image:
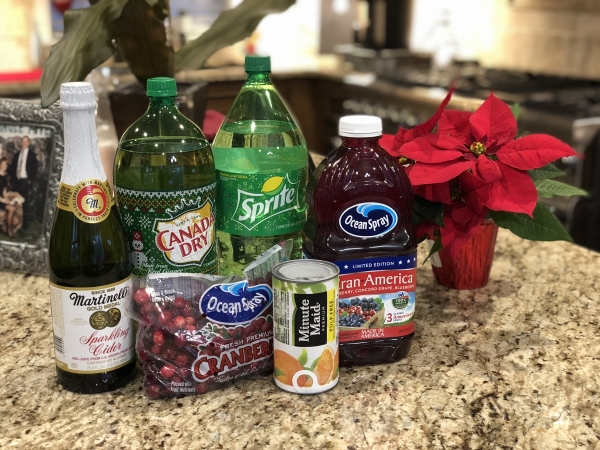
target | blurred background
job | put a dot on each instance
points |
(392, 58)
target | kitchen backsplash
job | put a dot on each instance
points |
(559, 37)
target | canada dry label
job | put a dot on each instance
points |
(90, 200)
(261, 205)
(92, 331)
(377, 297)
(172, 231)
(306, 357)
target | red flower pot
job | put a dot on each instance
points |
(470, 267)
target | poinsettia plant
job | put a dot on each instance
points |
(466, 167)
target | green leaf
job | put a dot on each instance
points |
(142, 39)
(516, 110)
(345, 314)
(543, 173)
(314, 364)
(303, 358)
(544, 226)
(550, 188)
(86, 43)
(436, 247)
(230, 27)
(428, 210)
(278, 372)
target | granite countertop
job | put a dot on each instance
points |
(511, 365)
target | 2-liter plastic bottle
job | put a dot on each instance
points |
(165, 187)
(360, 207)
(262, 170)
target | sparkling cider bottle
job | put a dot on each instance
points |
(165, 188)
(262, 168)
(90, 273)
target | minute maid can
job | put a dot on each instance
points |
(305, 305)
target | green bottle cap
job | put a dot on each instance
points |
(257, 63)
(161, 87)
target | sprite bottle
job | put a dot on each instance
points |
(165, 187)
(262, 169)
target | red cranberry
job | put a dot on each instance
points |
(206, 352)
(167, 371)
(179, 322)
(179, 302)
(180, 340)
(187, 311)
(148, 308)
(216, 351)
(169, 353)
(190, 327)
(165, 317)
(266, 326)
(153, 391)
(155, 349)
(149, 319)
(141, 296)
(201, 388)
(190, 321)
(159, 338)
(177, 379)
(238, 331)
(182, 358)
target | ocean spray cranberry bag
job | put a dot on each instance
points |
(197, 332)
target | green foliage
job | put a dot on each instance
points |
(138, 29)
(543, 226)
(436, 247)
(550, 188)
(543, 173)
(87, 43)
(428, 210)
(230, 27)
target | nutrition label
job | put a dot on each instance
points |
(281, 313)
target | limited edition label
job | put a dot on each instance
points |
(377, 297)
(92, 331)
(171, 231)
(89, 200)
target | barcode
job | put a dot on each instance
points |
(59, 345)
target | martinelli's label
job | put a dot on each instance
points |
(89, 200)
(260, 204)
(92, 331)
(377, 297)
(171, 231)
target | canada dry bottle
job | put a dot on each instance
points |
(360, 207)
(165, 188)
(90, 273)
(262, 169)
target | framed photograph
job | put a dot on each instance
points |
(31, 158)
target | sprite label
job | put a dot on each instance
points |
(170, 231)
(261, 204)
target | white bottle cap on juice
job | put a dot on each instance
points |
(360, 126)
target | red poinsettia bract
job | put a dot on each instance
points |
(474, 164)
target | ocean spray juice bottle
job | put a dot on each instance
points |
(360, 207)
(262, 169)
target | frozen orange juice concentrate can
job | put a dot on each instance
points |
(305, 328)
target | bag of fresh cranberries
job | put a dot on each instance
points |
(198, 332)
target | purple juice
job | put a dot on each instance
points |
(360, 207)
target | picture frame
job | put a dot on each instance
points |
(31, 160)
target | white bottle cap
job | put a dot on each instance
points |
(78, 95)
(360, 126)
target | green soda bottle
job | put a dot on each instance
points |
(165, 188)
(262, 171)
